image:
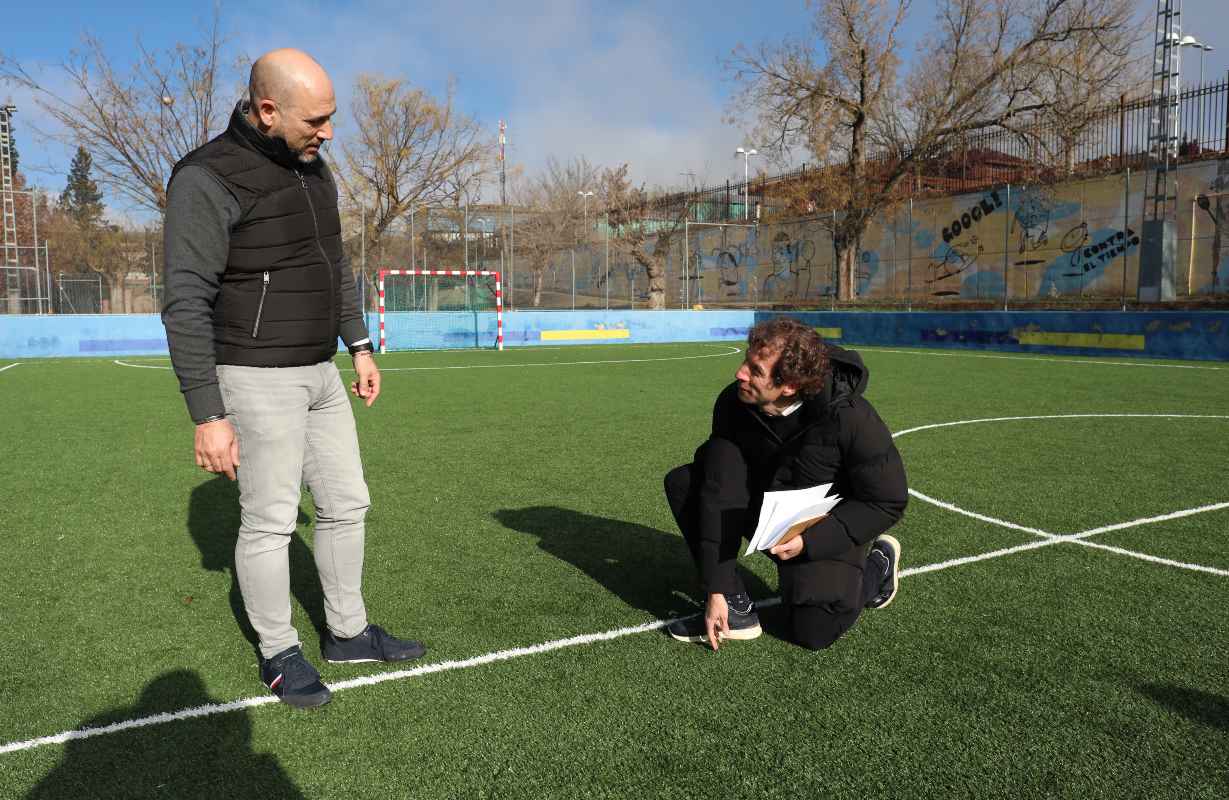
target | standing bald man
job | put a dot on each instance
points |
(257, 292)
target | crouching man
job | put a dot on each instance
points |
(794, 417)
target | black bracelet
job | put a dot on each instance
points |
(213, 418)
(365, 347)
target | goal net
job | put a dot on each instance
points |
(432, 309)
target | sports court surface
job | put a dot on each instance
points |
(1060, 629)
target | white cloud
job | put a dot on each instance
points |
(614, 85)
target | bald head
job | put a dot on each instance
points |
(285, 75)
(291, 98)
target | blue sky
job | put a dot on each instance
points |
(636, 82)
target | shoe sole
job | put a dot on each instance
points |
(305, 703)
(374, 660)
(742, 634)
(895, 568)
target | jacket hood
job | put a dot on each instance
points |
(847, 379)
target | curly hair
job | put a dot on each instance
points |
(802, 357)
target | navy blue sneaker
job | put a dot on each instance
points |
(744, 623)
(373, 644)
(294, 680)
(886, 553)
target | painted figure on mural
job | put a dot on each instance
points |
(957, 258)
(1215, 204)
(779, 254)
(791, 267)
(1033, 208)
(728, 277)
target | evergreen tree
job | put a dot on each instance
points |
(81, 198)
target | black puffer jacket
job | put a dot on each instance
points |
(842, 441)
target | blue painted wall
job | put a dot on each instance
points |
(1202, 335)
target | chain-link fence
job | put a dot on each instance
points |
(1065, 245)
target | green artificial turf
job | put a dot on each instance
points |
(520, 505)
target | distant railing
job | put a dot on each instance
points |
(1112, 139)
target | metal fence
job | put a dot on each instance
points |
(1109, 140)
(1067, 246)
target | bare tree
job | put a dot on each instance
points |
(136, 121)
(1087, 73)
(642, 230)
(982, 66)
(553, 222)
(408, 150)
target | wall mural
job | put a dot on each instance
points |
(1076, 239)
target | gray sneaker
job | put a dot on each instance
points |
(886, 552)
(744, 623)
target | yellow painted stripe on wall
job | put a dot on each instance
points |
(829, 333)
(1109, 341)
(609, 333)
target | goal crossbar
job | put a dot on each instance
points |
(453, 273)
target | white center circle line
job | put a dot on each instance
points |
(1073, 538)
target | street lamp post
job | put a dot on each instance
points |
(746, 153)
(585, 195)
(1191, 41)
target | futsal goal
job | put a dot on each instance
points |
(432, 309)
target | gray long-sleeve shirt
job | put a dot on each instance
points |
(200, 213)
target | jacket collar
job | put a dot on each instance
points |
(272, 147)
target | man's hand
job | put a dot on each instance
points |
(367, 387)
(716, 618)
(217, 449)
(789, 549)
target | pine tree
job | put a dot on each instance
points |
(81, 198)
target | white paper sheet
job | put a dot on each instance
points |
(782, 509)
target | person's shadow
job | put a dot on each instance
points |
(201, 757)
(1203, 708)
(213, 522)
(649, 569)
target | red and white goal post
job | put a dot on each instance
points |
(432, 308)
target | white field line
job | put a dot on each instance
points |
(1149, 520)
(1074, 538)
(957, 562)
(140, 366)
(574, 641)
(992, 520)
(429, 669)
(1122, 551)
(10, 366)
(1055, 416)
(1028, 357)
(729, 352)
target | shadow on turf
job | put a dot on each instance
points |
(213, 522)
(647, 568)
(1200, 707)
(205, 757)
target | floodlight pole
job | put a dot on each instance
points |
(746, 153)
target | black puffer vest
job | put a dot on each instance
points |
(279, 301)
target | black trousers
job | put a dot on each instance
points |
(720, 471)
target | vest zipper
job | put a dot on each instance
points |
(264, 288)
(316, 225)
